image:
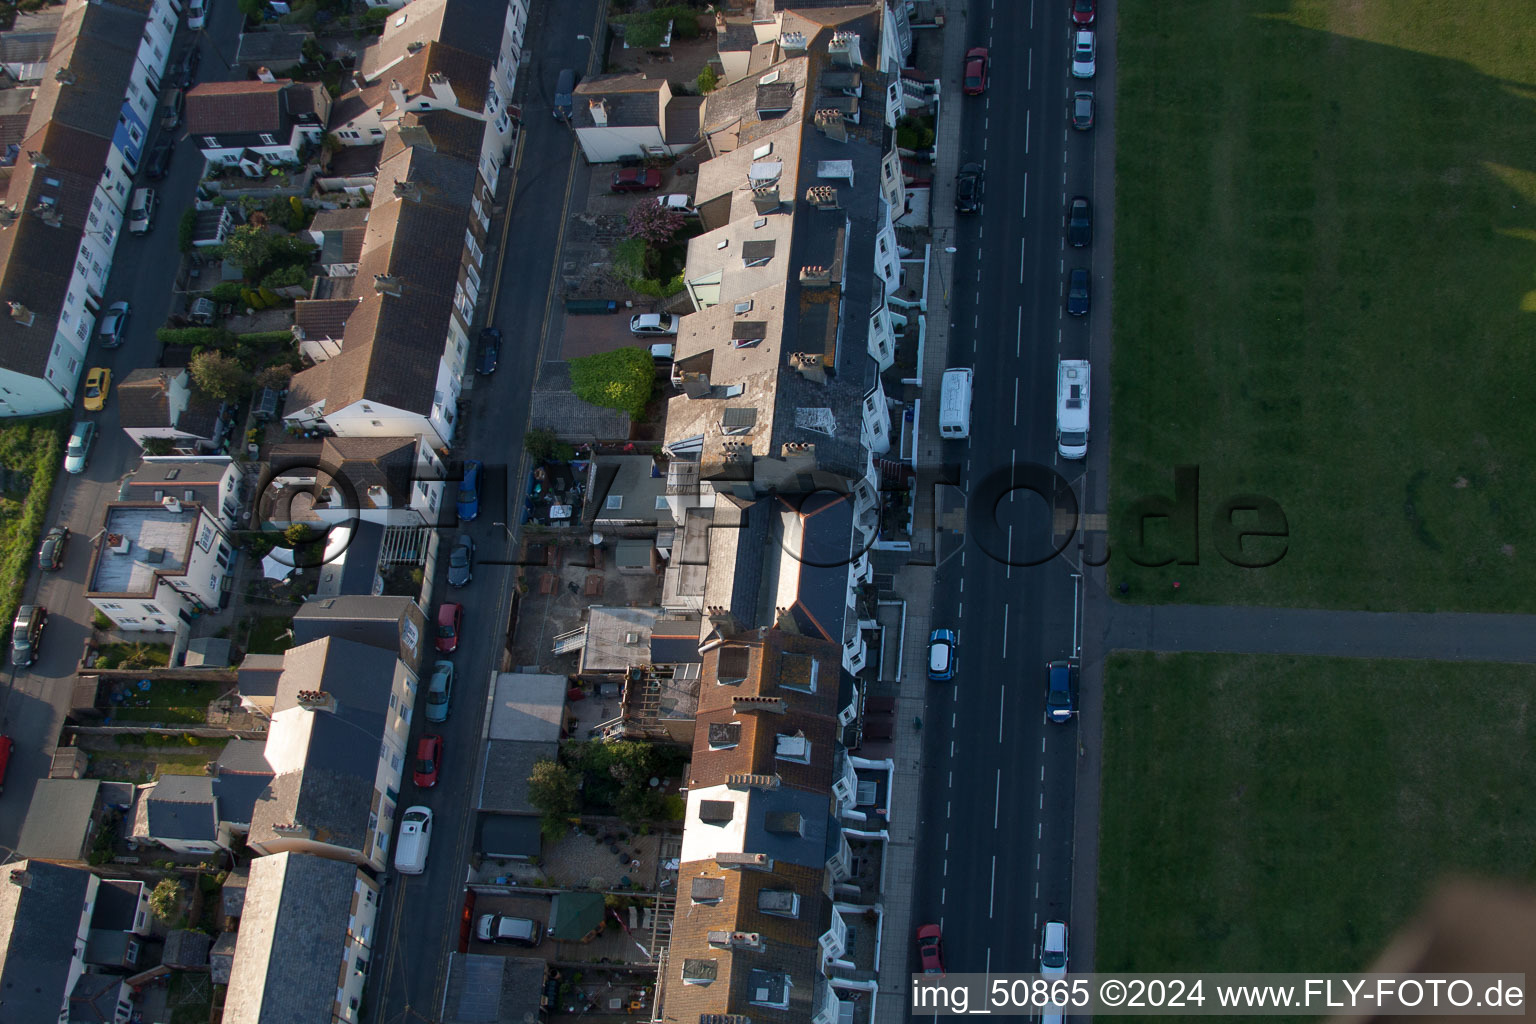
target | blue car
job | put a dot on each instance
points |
(469, 490)
(1058, 693)
(941, 655)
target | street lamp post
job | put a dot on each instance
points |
(591, 50)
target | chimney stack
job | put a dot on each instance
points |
(37, 158)
(408, 190)
(21, 314)
(265, 74)
(64, 76)
(388, 284)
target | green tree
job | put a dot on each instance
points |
(615, 380)
(185, 229)
(165, 899)
(553, 789)
(249, 247)
(219, 376)
(298, 534)
(708, 80)
(276, 377)
(545, 446)
(158, 445)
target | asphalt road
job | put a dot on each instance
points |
(34, 702)
(999, 798)
(419, 920)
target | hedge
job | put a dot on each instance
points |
(264, 338)
(193, 336)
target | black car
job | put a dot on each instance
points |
(187, 70)
(968, 188)
(50, 557)
(1077, 292)
(1079, 221)
(1082, 110)
(27, 633)
(490, 350)
(461, 563)
(158, 161)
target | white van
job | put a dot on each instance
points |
(1072, 408)
(197, 11)
(415, 837)
(141, 211)
(955, 404)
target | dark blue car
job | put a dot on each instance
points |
(469, 490)
(1058, 694)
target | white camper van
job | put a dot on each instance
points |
(955, 405)
(1072, 408)
(415, 837)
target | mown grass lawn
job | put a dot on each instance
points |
(1289, 814)
(1325, 293)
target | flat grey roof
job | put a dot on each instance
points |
(157, 540)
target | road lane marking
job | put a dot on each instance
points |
(1021, 261)
(962, 578)
(1030, 82)
(1015, 401)
(997, 798)
(1026, 117)
(992, 899)
(1001, 693)
(1024, 194)
(1018, 338)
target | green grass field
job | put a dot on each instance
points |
(1325, 293)
(1289, 814)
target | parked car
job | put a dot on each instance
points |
(636, 179)
(565, 88)
(50, 555)
(1082, 12)
(114, 324)
(469, 490)
(5, 758)
(653, 323)
(141, 211)
(78, 451)
(1058, 691)
(968, 188)
(97, 383)
(521, 931)
(930, 948)
(186, 71)
(159, 160)
(415, 839)
(1082, 109)
(678, 203)
(1083, 49)
(941, 655)
(1053, 950)
(461, 561)
(429, 760)
(450, 620)
(172, 110)
(1077, 291)
(1079, 221)
(490, 350)
(975, 80)
(27, 634)
(440, 690)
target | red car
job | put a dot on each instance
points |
(5, 758)
(930, 948)
(976, 71)
(1082, 12)
(636, 179)
(429, 758)
(450, 620)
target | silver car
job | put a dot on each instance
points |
(440, 692)
(461, 561)
(114, 324)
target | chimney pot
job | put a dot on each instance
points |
(265, 74)
(388, 284)
(21, 314)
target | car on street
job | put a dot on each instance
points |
(450, 620)
(429, 760)
(635, 179)
(1079, 221)
(50, 555)
(114, 324)
(1082, 109)
(520, 931)
(969, 184)
(173, 109)
(1083, 49)
(1082, 12)
(415, 839)
(1077, 291)
(97, 383)
(186, 71)
(461, 561)
(469, 490)
(490, 350)
(27, 634)
(930, 948)
(159, 160)
(975, 81)
(1053, 950)
(941, 655)
(1058, 691)
(649, 324)
(78, 452)
(6, 745)
(440, 691)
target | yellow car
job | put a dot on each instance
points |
(96, 384)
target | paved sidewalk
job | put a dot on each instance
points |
(1440, 636)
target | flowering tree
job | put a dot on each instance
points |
(654, 223)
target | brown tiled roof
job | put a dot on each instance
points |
(98, 45)
(470, 25)
(141, 398)
(789, 944)
(468, 75)
(322, 318)
(214, 107)
(308, 387)
(681, 120)
(364, 462)
(333, 220)
(756, 753)
(447, 132)
(354, 161)
(354, 103)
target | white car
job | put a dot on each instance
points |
(1053, 950)
(678, 202)
(415, 838)
(1082, 55)
(653, 323)
(78, 451)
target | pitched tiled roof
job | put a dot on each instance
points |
(40, 920)
(355, 102)
(181, 807)
(473, 26)
(445, 132)
(322, 318)
(335, 220)
(681, 120)
(215, 107)
(97, 45)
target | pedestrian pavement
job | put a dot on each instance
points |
(1441, 636)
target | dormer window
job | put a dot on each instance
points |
(735, 421)
(778, 902)
(793, 748)
(769, 988)
(756, 253)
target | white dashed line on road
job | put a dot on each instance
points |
(1001, 694)
(997, 798)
